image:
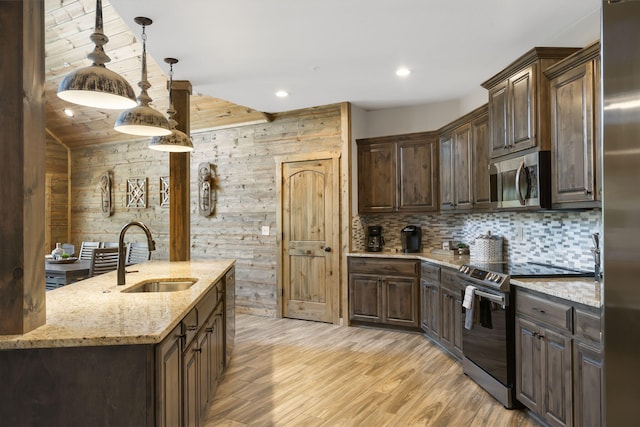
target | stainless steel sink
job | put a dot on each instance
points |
(162, 285)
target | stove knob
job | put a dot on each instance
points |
(498, 278)
(490, 276)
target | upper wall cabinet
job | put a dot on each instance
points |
(575, 120)
(398, 173)
(519, 102)
(464, 163)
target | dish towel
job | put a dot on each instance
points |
(469, 298)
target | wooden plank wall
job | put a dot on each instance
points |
(56, 195)
(244, 159)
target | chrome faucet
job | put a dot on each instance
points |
(595, 250)
(122, 251)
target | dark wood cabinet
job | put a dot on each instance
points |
(430, 307)
(464, 163)
(398, 173)
(575, 123)
(519, 102)
(384, 291)
(451, 309)
(169, 380)
(559, 360)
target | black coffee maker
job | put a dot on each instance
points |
(374, 238)
(411, 237)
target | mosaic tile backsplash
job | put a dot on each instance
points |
(559, 238)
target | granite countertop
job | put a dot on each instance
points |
(580, 290)
(95, 311)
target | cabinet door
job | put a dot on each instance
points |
(365, 298)
(169, 380)
(481, 183)
(528, 364)
(376, 178)
(458, 324)
(219, 337)
(462, 161)
(572, 136)
(448, 318)
(587, 385)
(424, 306)
(498, 100)
(558, 405)
(447, 200)
(401, 301)
(417, 174)
(430, 312)
(205, 344)
(522, 108)
(191, 378)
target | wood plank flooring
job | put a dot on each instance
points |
(286, 372)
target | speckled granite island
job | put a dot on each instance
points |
(110, 357)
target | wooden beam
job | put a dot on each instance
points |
(22, 167)
(179, 180)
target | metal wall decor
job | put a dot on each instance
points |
(105, 194)
(164, 191)
(137, 192)
(207, 187)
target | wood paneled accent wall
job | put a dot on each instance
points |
(244, 159)
(56, 195)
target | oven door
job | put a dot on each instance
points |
(486, 343)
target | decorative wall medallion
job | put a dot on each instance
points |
(105, 193)
(164, 191)
(137, 192)
(207, 187)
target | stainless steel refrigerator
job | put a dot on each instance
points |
(621, 210)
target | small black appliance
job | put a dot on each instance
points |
(411, 239)
(375, 241)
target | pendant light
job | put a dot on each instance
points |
(143, 120)
(97, 86)
(178, 141)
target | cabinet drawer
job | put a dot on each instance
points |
(208, 303)
(190, 326)
(430, 272)
(551, 313)
(588, 325)
(383, 266)
(450, 277)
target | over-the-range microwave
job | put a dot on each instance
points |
(522, 182)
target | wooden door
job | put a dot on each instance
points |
(365, 298)
(528, 365)
(376, 177)
(310, 239)
(481, 181)
(556, 370)
(191, 370)
(448, 317)
(522, 106)
(462, 152)
(587, 367)
(447, 200)
(169, 380)
(572, 136)
(401, 301)
(498, 119)
(417, 175)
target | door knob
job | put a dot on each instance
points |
(327, 249)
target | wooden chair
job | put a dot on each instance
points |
(86, 250)
(103, 260)
(137, 252)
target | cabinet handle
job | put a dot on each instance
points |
(587, 192)
(197, 350)
(180, 336)
(192, 328)
(209, 330)
(539, 310)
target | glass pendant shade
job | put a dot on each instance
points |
(177, 141)
(142, 120)
(96, 86)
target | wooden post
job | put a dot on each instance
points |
(22, 166)
(179, 180)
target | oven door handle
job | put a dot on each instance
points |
(500, 299)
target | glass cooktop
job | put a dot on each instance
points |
(531, 269)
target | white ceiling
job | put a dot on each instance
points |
(328, 51)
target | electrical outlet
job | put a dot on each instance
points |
(265, 230)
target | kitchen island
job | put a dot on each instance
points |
(110, 357)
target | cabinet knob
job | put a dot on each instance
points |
(197, 350)
(587, 192)
(209, 330)
(327, 249)
(192, 328)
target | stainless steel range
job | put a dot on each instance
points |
(488, 337)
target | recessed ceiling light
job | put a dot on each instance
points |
(68, 112)
(282, 94)
(403, 72)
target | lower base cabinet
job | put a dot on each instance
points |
(559, 360)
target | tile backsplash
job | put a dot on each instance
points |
(561, 238)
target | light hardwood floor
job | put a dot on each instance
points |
(286, 372)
